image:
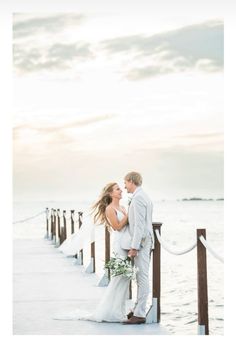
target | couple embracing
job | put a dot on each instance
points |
(132, 236)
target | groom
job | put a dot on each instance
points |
(140, 227)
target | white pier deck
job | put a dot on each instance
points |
(47, 283)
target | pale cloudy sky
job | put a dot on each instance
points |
(107, 89)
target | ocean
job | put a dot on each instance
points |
(179, 219)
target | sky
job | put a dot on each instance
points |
(103, 90)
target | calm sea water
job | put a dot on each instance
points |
(178, 273)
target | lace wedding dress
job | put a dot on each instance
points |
(112, 306)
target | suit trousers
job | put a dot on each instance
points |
(142, 262)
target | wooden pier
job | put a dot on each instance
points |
(47, 283)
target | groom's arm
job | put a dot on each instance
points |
(139, 214)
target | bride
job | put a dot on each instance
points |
(111, 308)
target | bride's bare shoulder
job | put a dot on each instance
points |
(110, 209)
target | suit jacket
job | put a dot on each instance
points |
(140, 218)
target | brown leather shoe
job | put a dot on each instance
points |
(130, 314)
(134, 321)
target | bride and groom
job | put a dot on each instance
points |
(132, 236)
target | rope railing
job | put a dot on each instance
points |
(202, 247)
(210, 249)
(189, 249)
(72, 216)
(29, 218)
(172, 251)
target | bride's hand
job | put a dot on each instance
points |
(126, 217)
(132, 253)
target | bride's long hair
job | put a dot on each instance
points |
(99, 208)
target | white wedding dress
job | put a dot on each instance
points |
(77, 240)
(112, 306)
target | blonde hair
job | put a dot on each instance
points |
(134, 177)
(99, 208)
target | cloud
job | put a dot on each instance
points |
(59, 129)
(32, 26)
(211, 135)
(196, 46)
(146, 72)
(38, 45)
(56, 57)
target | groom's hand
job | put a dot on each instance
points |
(132, 252)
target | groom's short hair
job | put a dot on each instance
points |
(134, 177)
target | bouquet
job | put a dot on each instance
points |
(121, 266)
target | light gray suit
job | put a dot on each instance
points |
(140, 228)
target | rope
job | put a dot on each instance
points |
(205, 243)
(29, 218)
(176, 252)
(47, 213)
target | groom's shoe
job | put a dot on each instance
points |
(130, 314)
(134, 321)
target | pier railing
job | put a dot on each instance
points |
(56, 231)
(202, 246)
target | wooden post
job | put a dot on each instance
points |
(72, 221)
(51, 224)
(203, 326)
(130, 283)
(107, 249)
(81, 252)
(64, 226)
(58, 226)
(93, 255)
(92, 266)
(130, 290)
(80, 214)
(156, 272)
(47, 224)
(106, 276)
(62, 237)
(54, 226)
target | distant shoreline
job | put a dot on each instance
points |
(89, 202)
(200, 199)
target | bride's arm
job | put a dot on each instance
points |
(112, 218)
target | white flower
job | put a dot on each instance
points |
(121, 266)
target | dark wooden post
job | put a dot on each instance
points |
(81, 252)
(64, 226)
(107, 249)
(47, 224)
(130, 290)
(80, 214)
(51, 224)
(92, 265)
(93, 255)
(106, 276)
(62, 237)
(72, 221)
(58, 226)
(156, 270)
(203, 326)
(54, 226)
(130, 283)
